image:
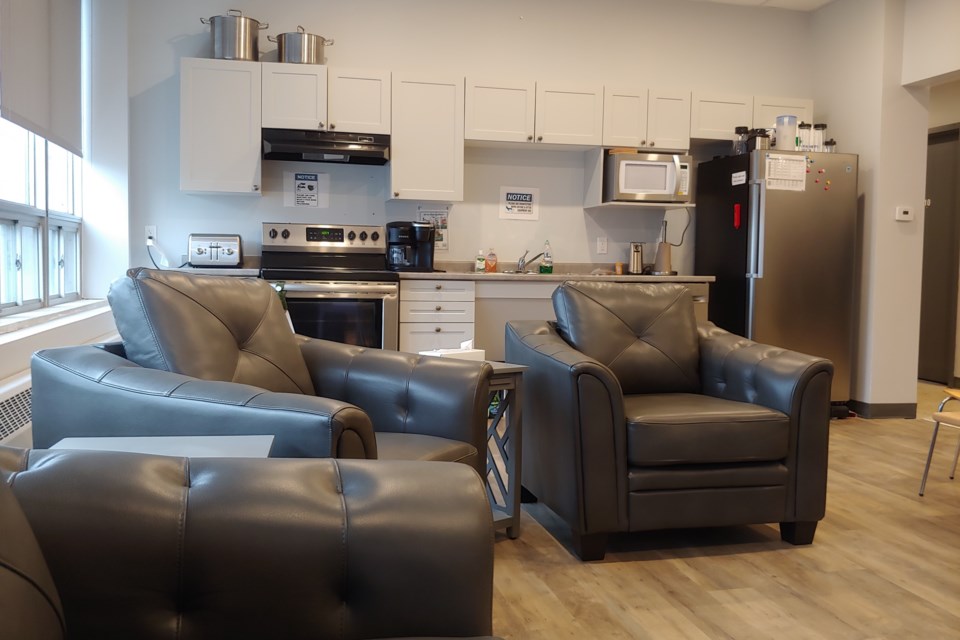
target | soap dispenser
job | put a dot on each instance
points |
(546, 262)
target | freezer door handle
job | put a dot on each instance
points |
(761, 228)
(753, 231)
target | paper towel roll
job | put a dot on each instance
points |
(662, 262)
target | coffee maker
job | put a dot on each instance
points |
(410, 246)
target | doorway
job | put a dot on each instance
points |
(941, 257)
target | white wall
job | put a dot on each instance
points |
(945, 104)
(931, 50)
(644, 42)
(106, 156)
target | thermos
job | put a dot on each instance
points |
(636, 257)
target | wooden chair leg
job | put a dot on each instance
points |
(590, 546)
(798, 532)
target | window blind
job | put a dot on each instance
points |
(40, 68)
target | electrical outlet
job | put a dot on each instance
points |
(904, 214)
(150, 233)
(601, 244)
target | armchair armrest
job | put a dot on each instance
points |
(403, 392)
(797, 384)
(86, 391)
(736, 368)
(573, 419)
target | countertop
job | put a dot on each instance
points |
(546, 277)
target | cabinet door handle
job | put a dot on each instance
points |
(320, 126)
(396, 194)
(332, 126)
(439, 286)
(529, 138)
(436, 329)
(539, 138)
(256, 187)
(439, 308)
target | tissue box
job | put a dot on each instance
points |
(463, 354)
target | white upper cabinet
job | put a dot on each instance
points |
(426, 145)
(219, 126)
(766, 109)
(294, 96)
(652, 119)
(716, 116)
(500, 111)
(625, 117)
(569, 114)
(359, 100)
(668, 120)
(518, 111)
(311, 96)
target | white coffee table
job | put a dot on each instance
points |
(182, 446)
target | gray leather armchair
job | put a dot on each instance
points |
(118, 545)
(208, 355)
(637, 419)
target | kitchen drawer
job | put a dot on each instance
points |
(436, 311)
(437, 290)
(427, 336)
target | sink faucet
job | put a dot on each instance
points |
(523, 262)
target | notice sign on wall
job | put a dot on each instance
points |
(519, 203)
(306, 189)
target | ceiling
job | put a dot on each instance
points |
(793, 5)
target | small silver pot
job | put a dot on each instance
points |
(235, 36)
(300, 47)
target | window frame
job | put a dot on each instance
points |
(61, 228)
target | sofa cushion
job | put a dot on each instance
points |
(645, 333)
(209, 327)
(684, 428)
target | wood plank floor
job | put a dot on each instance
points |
(885, 562)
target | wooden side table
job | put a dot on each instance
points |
(503, 446)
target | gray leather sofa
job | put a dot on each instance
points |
(208, 355)
(637, 419)
(116, 545)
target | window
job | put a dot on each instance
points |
(40, 221)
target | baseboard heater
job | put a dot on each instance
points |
(16, 409)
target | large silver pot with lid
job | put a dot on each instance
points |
(235, 36)
(300, 47)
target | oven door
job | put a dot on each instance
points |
(361, 313)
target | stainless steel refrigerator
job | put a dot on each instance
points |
(778, 229)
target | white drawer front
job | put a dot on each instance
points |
(436, 311)
(427, 336)
(437, 290)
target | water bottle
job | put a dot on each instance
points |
(546, 262)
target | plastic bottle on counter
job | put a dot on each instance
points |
(490, 264)
(480, 262)
(546, 262)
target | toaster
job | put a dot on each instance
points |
(214, 250)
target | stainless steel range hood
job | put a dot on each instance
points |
(325, 146)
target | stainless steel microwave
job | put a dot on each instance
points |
(647, 177)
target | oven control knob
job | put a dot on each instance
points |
(272, 233)
(375, 236)
(363, 236)
(285, 234)
(352, 236)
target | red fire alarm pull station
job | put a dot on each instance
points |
(736, 215)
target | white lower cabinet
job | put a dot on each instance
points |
(435, 314)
